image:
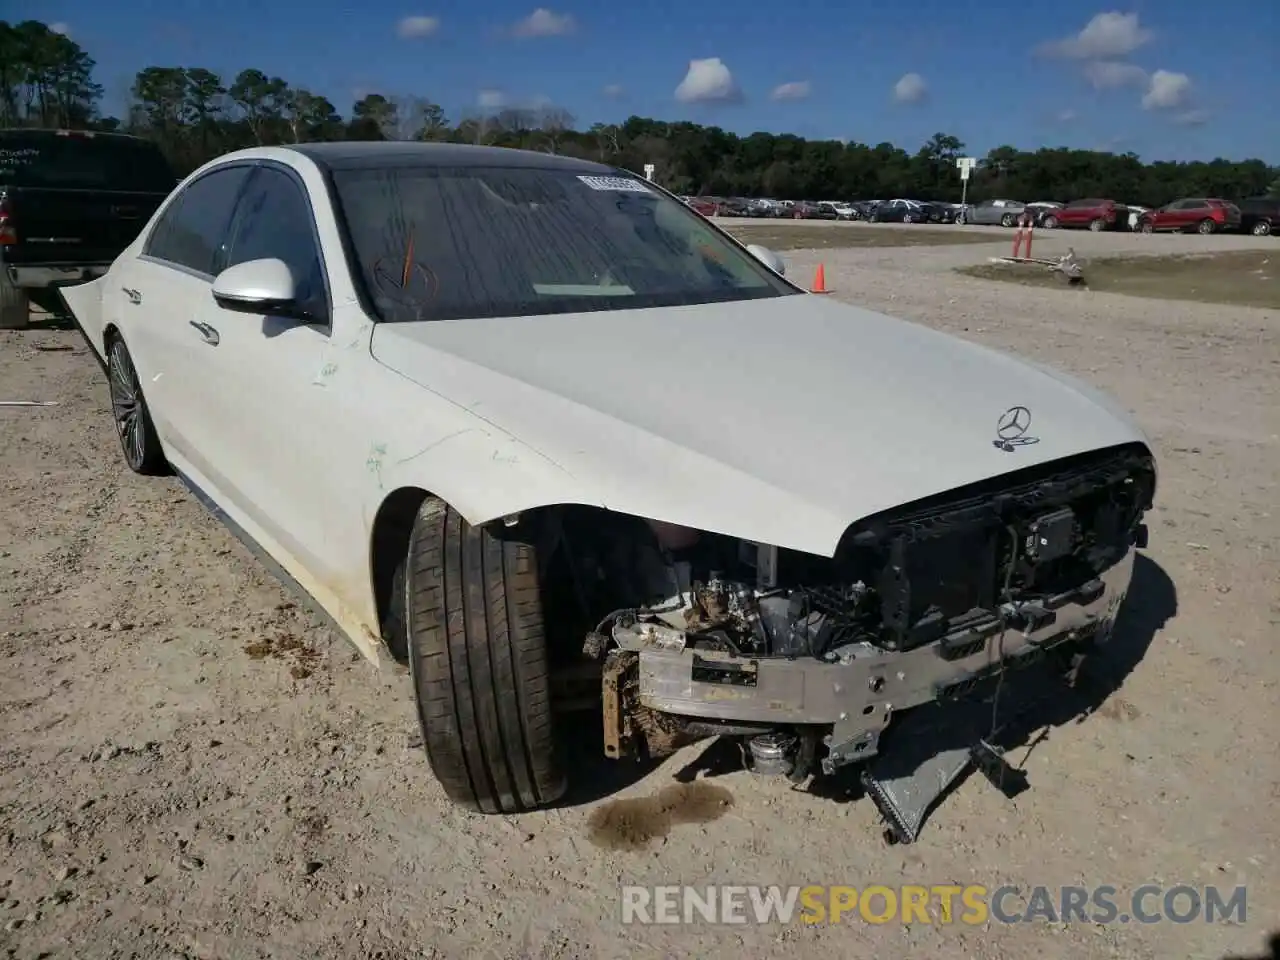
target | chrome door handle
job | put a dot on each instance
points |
(135, 296)
(207, 333)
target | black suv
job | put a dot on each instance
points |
(70, 202)
(1260, 215)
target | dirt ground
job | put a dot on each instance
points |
(1247, 278)
(192, 767)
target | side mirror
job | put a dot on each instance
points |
(260, 287)
(768, 258)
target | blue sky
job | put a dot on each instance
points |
(1167, 79)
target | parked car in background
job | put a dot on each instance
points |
(1092, 213)
(1135, 214)
(735, 207)
(70, 202)
(842, 211)
(1042, 210)
(703, 205)
(901, 211)
(940, 212)
(866, 208)
(1203, 215)
(804, 210)
(1004, 213)
(1260, 215)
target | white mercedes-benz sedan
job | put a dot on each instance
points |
(516, 419)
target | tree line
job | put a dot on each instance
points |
(47, 80)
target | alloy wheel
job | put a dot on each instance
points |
(126, 404)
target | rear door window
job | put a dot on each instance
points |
(83, 161)
(192, 231)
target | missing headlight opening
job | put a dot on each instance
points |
(809, 659)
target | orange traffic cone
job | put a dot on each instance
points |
(820, 280)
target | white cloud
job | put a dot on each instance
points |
(60, 27)
(1110, 74)
(796, 90)
(614, 91)
(411, 28)
(491, 99)
(1107, 35)
(910, 89)
(1192, 118)
(708, 81)
(544, 23)
(1067, 116)
(1167, 91)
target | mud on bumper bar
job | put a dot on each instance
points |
(664, 695)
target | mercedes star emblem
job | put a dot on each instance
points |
(1011, 430)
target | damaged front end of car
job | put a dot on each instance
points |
(809, 659)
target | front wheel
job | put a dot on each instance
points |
(477, 654)
(1051, 223)
(1146, 227)
(1007, 220)
(132, 416)
(1206, 227)
(1098, 225)
(1261, 228)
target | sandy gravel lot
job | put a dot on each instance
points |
(167, 791)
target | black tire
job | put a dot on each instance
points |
(1007, 220)
(1206, 227)
(15, 308)
(1146, 226)
(478, 658)
(1098, 225)
(1051, 223)
(131, 415)
(1261, 228)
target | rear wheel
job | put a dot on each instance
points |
(1098, 225)
(473, 624)
(1051, 223)
(1206, 227)
(1007, 220)
(15, 310)
(1147, 227)
(138, 440)
(1261, 228)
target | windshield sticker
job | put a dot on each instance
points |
(620, 184)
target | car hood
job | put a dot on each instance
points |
(781, 420)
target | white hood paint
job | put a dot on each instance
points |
(780, 420)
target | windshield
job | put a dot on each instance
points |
(449, 243)
(84, 162)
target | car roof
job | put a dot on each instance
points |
(366, 154)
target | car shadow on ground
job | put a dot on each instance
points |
(592, 775)
(1270, 950)
(48, 312)
(1029, 704)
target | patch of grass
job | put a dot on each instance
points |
(1243, 278)
(846, 235)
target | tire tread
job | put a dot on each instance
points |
(477, 650)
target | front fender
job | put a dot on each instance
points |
(480, 471)
(86, 303)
